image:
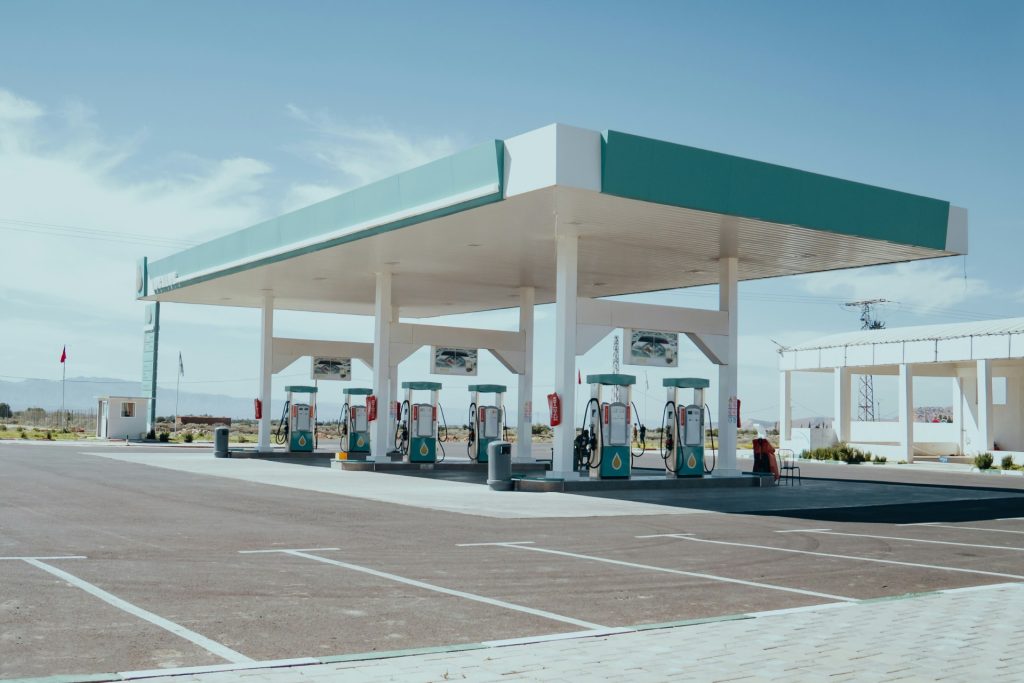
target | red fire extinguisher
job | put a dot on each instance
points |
(258, 408)
(555, 408)
(371, 408)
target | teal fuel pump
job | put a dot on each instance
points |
(355, 424)
(683, 429)
(299, 424)
(417, 436)
(603, 446)
(486, 422)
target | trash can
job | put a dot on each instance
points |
(499, 465)
(220, 443)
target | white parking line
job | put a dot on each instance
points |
(914, 540)
(26, 558)
(211, 646)
(441, 589)
(973, 528)
(850, 557)
(680, 572)
(784, 531)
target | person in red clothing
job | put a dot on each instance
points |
(764, 458)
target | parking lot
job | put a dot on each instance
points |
(113, 565)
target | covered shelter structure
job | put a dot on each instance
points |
(558, 215)
(983, 411)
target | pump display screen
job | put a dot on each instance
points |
(359, 423)
(489, 428)
(693, 430)
(300, 417)
(423, 419)
(616, 431)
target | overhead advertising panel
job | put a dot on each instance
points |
(447, 360)
(331, 368)
(651, 348)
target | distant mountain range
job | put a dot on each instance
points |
(82, 392)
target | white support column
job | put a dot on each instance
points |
(841, 419)
(728, 274)
(785, 406)
(905, 398)
(393, 389)
(958, 412)
(567, 259)
(524, 429)
(266, 370)
(382, 317)
(985, 405)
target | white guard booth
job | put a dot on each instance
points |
(562, 216)
(122, 417)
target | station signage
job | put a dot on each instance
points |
(651, 348)
(331, 368)
(449, 360)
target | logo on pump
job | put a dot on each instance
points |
(359, 441)
(616, 462)
(691, 462)
(302, 440)
(423, 449)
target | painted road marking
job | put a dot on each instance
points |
(680, 572)
(473, 545)
(26, 558)
(447, 591)
(786, 531)
(848, 557)
(973, 528)
(211, 646)
(285, 550)
(914, 540)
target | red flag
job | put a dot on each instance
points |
(64, 354)
(579, 377)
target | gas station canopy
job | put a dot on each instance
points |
(465, 233)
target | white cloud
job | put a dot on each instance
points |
(365, 153)
(920, 287)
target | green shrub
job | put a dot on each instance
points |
(1007, 462)
(840, 452)
(983, 461)
(49, 435)
(151, 435)
(164, 437)
(188, 437)
(880, 459)
(242, 439)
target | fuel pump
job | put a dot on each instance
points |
(417, 436)
(683, 428)
(301, 419)
(355, 424)
(486, 423)
(603, 445)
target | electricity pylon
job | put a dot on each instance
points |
(866, 403)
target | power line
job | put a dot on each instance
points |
(60, 230)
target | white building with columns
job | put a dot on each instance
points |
(983, 363)
(562, 216)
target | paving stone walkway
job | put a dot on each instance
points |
(974, 634)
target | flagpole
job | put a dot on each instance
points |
(177, 386)
(63, 376)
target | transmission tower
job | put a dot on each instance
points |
(866, 403)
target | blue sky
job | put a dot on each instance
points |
(184, 120)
